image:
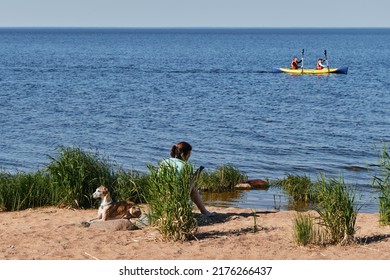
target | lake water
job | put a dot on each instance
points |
(132, 93)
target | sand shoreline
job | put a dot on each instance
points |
(52, 233)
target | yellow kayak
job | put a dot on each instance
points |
(342, 70)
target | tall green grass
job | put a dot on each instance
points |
(168, 198)
(130, 184)
(300, 190)
(299, 187)
(21, 191)
(222, 179)
(69, 180)
(382, 183)
(303, 229)
(75, 174)
(309, 230)
(337, 209)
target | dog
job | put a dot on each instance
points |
(109, 209)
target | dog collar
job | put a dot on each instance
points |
(105, 204)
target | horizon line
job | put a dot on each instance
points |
(205, 27)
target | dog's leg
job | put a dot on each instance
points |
(104, 216)
(89, 222)
(98, 217)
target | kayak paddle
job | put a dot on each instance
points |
(326, 58)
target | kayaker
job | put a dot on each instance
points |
(295, 63)
(321, 64)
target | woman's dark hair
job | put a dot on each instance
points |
(180, 149)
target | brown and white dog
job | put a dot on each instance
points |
(109, 209)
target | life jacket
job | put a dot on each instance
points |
(319, 67)
(294, 64)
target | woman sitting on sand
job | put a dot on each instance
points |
(180, 153)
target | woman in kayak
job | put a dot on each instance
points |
(295, 63)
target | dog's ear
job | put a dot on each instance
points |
(104, 189)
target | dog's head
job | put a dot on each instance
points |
(100, 192)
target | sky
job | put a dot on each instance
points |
(194, 13)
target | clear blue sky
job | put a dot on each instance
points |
(195, 13)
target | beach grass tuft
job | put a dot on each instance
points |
(222, 179)
(337, 213)
(382, 184)
(168, 198)
(130, 185)
(21, 190)
(337, 210)
(303, 229)
(255, 227)
(306, 231)
(300, 189)
(76, 173)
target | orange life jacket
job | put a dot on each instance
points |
(294, 64)
(319, 67)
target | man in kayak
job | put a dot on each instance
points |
(295, 63)
(321, 64)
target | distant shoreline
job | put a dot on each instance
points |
(185, 28)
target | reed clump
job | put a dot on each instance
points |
(308, 230)
(225, 178)
(303, 229)
(69, 181)
(130, 185)
(299, 188)
(20, 191)
(382, 184)
(337, 210)
(168, 199)
(75, 174)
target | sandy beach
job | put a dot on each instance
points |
(56, 234)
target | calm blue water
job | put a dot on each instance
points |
(132, 93)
